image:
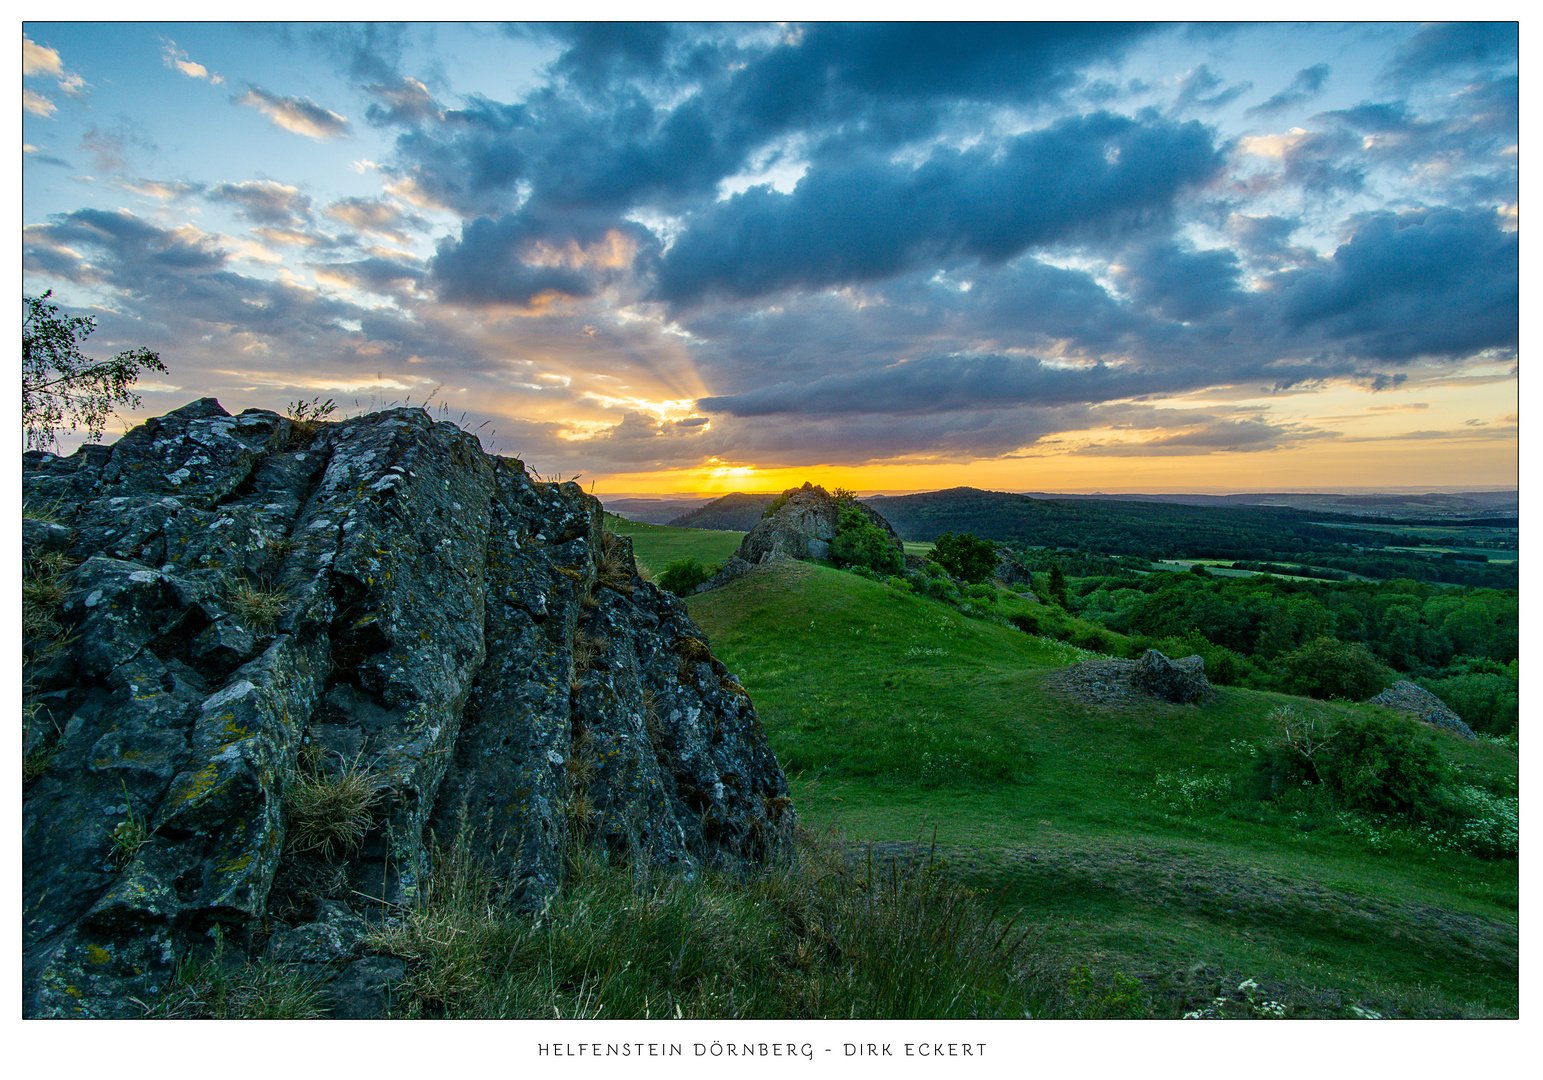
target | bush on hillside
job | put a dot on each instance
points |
(1327, 668)
(1361, 762)
(859, 542)
(965, 557)
(682, 576)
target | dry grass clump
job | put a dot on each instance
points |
(615, 567)
(330, 814)
(259, 606)
(212, 989)
(43, 589)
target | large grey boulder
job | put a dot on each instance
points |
(1181, 680)
(247, 602)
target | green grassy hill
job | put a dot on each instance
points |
(1119, 830)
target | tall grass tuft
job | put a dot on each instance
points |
(827, 933)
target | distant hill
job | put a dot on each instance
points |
(1451, 504)
(737, 512)
(1160, 530)
(654, 511)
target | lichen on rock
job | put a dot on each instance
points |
(252, 601)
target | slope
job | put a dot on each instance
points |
(1118, 829)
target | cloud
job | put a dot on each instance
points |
(37, 104)
(35, 154)
(299, 115)
(389, 277)
(1179, 282)
(178, 59)
(521, 258)
(1305, 86)
(164, 191)
(1424, 283)
(110, 149)
(1443, 48)
(405, 101)
(376, 216)
(941, 384)
(39, 60)
(1197, 84)
(265, 202)
(865, 222)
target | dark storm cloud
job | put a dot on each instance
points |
(1425, 283)
(874, 220)
(940, 384)
(265, 202)
(1181, 283)
(1308, 82)
(598, 138)
(1454, 47)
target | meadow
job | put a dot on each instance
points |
(1121, 833)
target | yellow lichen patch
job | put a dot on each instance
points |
(693, 649)
(97, 955)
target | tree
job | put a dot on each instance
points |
(859, 542)
(58, 380)
(1057, 586)
(965, 557)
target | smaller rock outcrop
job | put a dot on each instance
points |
(1012, 573)
(802, 525)
(1405, 696)
(1181, 681)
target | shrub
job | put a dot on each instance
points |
(859, 542)
(1362, 762)
(1383, 765)
(965, 557)
(1327, 668)
(682, 576)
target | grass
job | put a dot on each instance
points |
(822, 935)
(329, 814)
(259, 606)
(895, 716)
(210, 988)
(656, 546)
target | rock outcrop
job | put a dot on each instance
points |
(802, 526)
(1406, 697)
(1182, 681)
(226, 611)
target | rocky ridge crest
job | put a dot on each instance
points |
(250, 603)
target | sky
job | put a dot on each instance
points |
(686, 257)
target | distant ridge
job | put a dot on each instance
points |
(736, 512)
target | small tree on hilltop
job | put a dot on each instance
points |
(965, 557)
(58, 380)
